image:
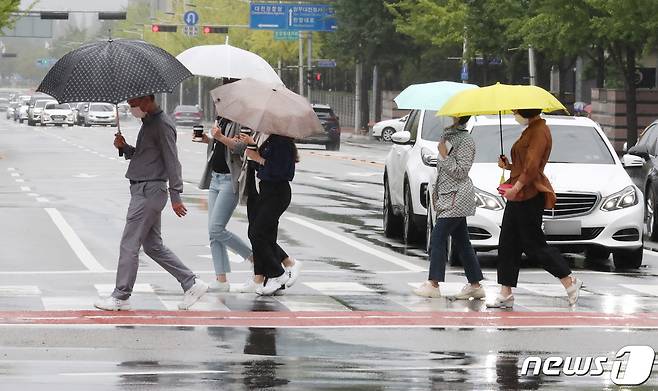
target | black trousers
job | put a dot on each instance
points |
(263, 211)
(521, 233)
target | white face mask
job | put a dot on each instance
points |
(520, 120)
(137, 112)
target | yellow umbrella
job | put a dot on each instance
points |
(500, 99)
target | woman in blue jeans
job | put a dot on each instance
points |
(453, 198)
(221, 178)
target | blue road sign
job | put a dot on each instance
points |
(326, 63)
(309, 17)
(191, 18)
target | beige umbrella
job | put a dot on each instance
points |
(267, 108)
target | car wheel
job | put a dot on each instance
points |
(30, 123)
(387, 133)
(409, 231)
(628, 259)
(650, 227)
(87, 124)
(392, 223)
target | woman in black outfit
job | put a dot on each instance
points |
(275, 163)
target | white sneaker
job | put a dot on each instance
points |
(469, 291)
(273, 284)
(248, 287)
(293, 273)
(219, 287)
(426, 289)
(502, 302)
(280, 292)
(112, 304)
(574, 290)
(193, 294)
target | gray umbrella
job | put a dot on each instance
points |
(113, 71)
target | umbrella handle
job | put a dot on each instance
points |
(116, 107)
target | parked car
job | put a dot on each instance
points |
(383, 130)
(331, 125)
(599, 210)
(641, 163)
(57, 114)
(186, 115)
(34, 111)
(100, 114)
(124, 109)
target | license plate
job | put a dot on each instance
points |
(556, 227)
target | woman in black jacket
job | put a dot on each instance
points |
(275, 159)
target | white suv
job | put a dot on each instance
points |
(599, 210)
(409, 167)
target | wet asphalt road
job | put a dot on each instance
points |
(50, 175)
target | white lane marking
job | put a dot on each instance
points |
(20, 180)
(311, 303)
(232, 257)
(365, 174)
(106, 289)
(11, 169)
(15, 174)
(651, 290)
(74, 241)
(551, 290)
(332, 288)
(359, 246)
(25, 188)
(147, 373)
(42, 199)
(321, 178)
(19, 290)
(63, 303)
(349, 185)
(32, 195)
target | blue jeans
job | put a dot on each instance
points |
(221, 204)
(457, 228)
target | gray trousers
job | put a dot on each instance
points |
(147, 200)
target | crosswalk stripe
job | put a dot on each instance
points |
(651, 290)
(333, 288)
(68, 303)
(19, 290)
(107, 289)
(551, 290)
(310, 303)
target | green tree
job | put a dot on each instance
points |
(8, 8)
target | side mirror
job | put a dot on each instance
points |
(641, 151)
(401, 138)
(632, 161)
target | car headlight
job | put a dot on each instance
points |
(488, 201)
(428, 157)
(620, 200)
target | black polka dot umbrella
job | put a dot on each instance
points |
(113, 71)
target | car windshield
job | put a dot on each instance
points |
(571, 144)
(41, 103)
(55, 106)
(433, 126)
(101, 107)
(323, 113)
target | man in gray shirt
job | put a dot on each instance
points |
(153, 162)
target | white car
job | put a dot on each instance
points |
(101, 114)
(57, 114)
(599, 210)
(383, 130)
(34, 113)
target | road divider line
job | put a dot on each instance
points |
(74, 241)
(145, 373)
(25, 188)
(359, 246)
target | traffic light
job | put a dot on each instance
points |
(163, 28)
(309, 78)
(215, 30)
(318, 77)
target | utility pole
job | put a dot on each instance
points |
(532, 70)
(357, 88)
(278, 70)
(301, 64)
(309, 61)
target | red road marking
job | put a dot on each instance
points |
(305, 319)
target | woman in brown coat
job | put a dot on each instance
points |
(530, 194)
